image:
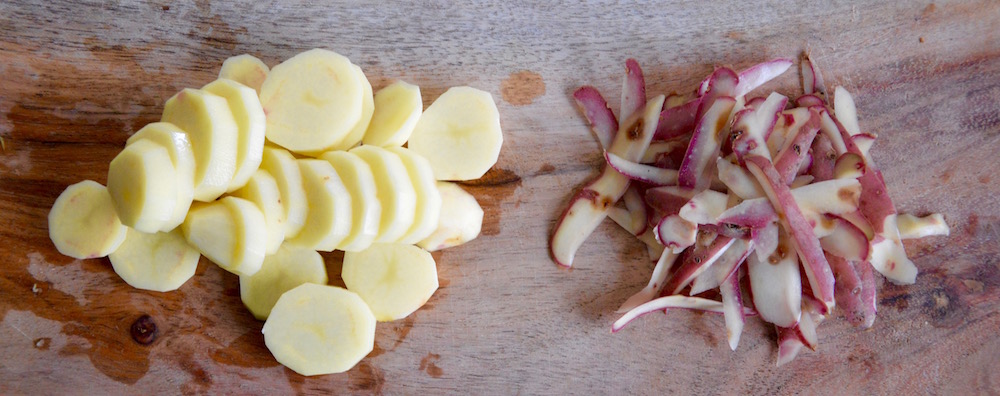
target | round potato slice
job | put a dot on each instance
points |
(367, 109)
(397, 109)
(313, 100)
(461, 219)
(142, 182)
(428, 210)
(459, 134)
(161, 262)
(263, 191)
(394, 279)
(329, 219)
(83, 223)
(245, 69)
(230, 232)
(366, 210)
(250, 121)
(394, 190)
(318, 329)
(213, 133)
(178, 147)
(282, 166)
(282, 271)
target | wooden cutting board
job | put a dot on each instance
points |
(76, 80)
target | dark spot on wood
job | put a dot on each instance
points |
(42, 343)
(984, 179)
(166, 8)
(366, 377)
(429, 364)
(545, 169)
(143, 330)
(522, 88)
(247, 350)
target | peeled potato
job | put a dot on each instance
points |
(461, 219)
(282, 271)
(459, 134)
(263, 191)
(172, 138)
(313, 100)
(282, 166)
(318, 329)
(394, 190)
(245, 69)
(230, 232)
(397, 109)
(367, 109)
(425, 219)
(161, 261)
(213, 133)
(83, 223)
(250, 121)
(366, 210)
(394, 279)
(329, 219)
(142, 182)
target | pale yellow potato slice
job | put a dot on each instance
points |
(213, 133)
(245, 69)
(318, 329)
(83, 223)
(459, 134)
(161, 261)
(178, 147)
(263, 191)
(312, 100)
(250, 122)
(397, 109)
(461, 219)
(282, 166)
(394, 279)
(142, 182)
(231, 232)
(282, 271)
(428, 211)
(329, 217)
(367, 109)
(394, 190)
(366, 210)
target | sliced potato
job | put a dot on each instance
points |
(245, 69)
(282, 271)
(459, 134)
(318, 329)
(263, 191)
(213, 133)
(367, 109)
(425, 219)
(397, 109)
(329, 218)
(282, 166)
(313, 100)
(161, 261)
(394, 279)
(231, 232)
(142, 182)
(83, 223)
(250, 121)
(366, 210)
(394, 190)
(178, 147)
(461, 219)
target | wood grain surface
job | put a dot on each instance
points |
(76, 79)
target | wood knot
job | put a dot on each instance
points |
(144, 330)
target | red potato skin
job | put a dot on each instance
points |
(693, 262)
(809, 100)
(789, 160)
(705, 143)
(824, 159)
(633, 89)
(677, 121)
(854, 291)
(595, 109)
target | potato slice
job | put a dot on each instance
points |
(263, 191)
(461, 219)
(366, 210)
(313, 100)
(394, 190)
(394, 279)
(231, 232)
(329, 218)
(83, 223)
(397, 109)
(367, 109)
(425, 219)
(250, 121)
(245, 69)
(282, 166)
(178, 147)
(459, 134)
(161, 261)
(282, 271)
(213, 133)
(142, 182)
(318, 329)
